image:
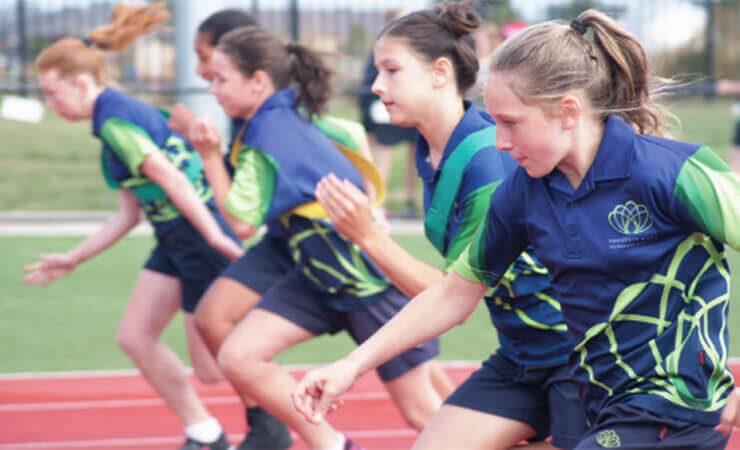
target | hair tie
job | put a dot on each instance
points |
(578, 26)
(88, 42)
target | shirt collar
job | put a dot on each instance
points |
(105, 96)
(284, 98)
(473, 120)
(612, 162)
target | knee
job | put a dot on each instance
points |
(203, 320)
(208, 376)
(233, 359)
(131, 342)
(418, 413)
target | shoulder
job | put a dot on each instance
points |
(659, 159)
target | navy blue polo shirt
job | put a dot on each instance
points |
(636, 258)
(528, 320)
(130, 131)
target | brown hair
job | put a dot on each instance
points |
(254, 48)
(442, 32)
(73, 56)
(594, 54)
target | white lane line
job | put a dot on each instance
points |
(389, 433)
(142, 403)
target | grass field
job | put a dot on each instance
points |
(64, 159)
(70, 325)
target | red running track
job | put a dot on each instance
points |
(121, 411)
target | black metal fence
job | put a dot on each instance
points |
(700, 37)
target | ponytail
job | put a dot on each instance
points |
(73, 56)
(593, 54)
(254, 48)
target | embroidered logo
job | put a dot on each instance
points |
(608, 439)
(630, 218)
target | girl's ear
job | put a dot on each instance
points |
(442, 72)
(84, 81)
(262, 80)
(569, 111)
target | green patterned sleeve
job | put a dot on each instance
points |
(475, 209)
(130, 143)
(252, 187)
(710, 190)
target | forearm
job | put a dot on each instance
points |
(409, 274)
(220, 183)
(434, 311)
(117, 226)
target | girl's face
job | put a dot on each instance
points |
(404, 81)
(534, 138)
(234, 91)
(64, 95)
(204, 50)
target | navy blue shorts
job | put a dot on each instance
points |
(544, 398)
(262, 265)
(293, 299)
(736, 137)
(183, 253)
(626, 426)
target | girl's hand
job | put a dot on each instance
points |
(205, 137)
(227, 247)
(316, 394)
(181, 117)
(730, 413)
(348, 208)
(50, 267)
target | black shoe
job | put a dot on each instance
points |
(265, 432)
(219, 444)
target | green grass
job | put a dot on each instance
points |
(71, 324)
(55, 166)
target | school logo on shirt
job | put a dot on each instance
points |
(608, 439)
(630, 218)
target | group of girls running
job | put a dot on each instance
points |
(596, 243)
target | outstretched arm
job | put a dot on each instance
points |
(53, 266)
(350, 212)
(181, 193)
(431, 313)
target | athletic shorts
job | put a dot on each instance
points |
(183, 253)
(544, 398)
(262, 265)
(630, 427)
(293, 299)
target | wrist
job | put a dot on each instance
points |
(371, 238)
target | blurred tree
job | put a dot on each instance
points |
(571, 10)
(497, 11)
(357, 41)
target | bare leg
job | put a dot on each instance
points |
(415, 395)
(225, 303)
(246, 359)
(155, 300)
(203, 362)
(441, 382)
(456, 427)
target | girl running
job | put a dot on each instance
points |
(629, 224)
(426, 62)
(155, 170)
(332, 285)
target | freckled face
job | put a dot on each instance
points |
(404, 81)
(63, 95)
(534, 138)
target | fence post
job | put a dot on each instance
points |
(22, 40)
(295, 27)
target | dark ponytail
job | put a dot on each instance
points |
(221, 22)
(442, 32)
(254, 48)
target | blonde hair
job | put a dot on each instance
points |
(74, 56)
(602, 59)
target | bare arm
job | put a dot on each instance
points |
(431, 313)
(161, 171)
(350, 212)
(56, 265)
(206, 139)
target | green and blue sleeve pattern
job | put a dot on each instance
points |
(130, 143)
(252, 187)
(475, 208)
(709, 189)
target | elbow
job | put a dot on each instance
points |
(243, 230)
